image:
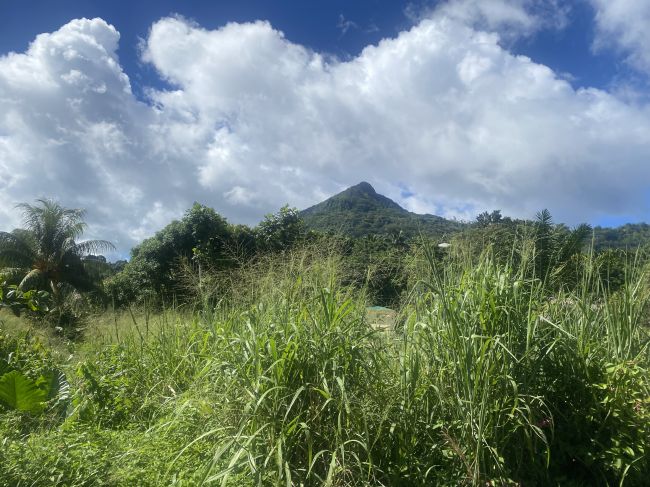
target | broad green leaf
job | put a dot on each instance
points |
(21, 393)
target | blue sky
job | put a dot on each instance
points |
(339, 27)
(450, 107)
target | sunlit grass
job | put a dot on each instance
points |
(274, 376)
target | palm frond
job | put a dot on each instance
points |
(575, 241)
(15, 251)
(49, 244)
(69, 229)
(33, 280)
(31, 218)
(89, 247)
(52, 224)
(544, 218)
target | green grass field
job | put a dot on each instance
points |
(486, 376)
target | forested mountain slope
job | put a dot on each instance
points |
(360, 210)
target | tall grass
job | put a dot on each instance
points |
(491, 376)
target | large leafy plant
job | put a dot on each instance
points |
(30, 380)
(22, 393)
(17, 300)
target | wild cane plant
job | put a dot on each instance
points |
(494, 376)
(296, 360)
(474, 332)
(486, 379)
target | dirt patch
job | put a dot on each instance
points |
(380, 318)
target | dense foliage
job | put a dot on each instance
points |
(204, 239)
(629, 236)
(370, 230)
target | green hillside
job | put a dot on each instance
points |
(360, 210)
(628, 236)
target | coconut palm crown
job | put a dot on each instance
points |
(45, 254)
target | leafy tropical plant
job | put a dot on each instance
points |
(45, 255)
(22, 393)
(16, 300)
(557, 248)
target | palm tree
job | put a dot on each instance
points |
(45, 254)
(556, 248)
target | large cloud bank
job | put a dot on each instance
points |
(442, 113)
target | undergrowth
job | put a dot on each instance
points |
(490, 376)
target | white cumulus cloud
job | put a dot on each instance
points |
(511, 18)
(625, 25)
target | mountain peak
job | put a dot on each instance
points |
(363, 187)
(360, 210)
(359, 198)
(362, 196)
